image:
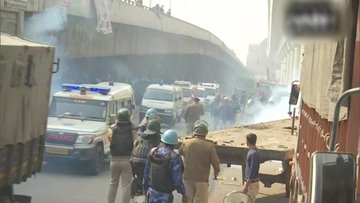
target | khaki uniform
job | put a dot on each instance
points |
(193, 113)
(199, 154)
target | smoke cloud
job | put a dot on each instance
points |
(42, 27)
(259, 112)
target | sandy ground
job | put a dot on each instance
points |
(275, 194)
(275, 135)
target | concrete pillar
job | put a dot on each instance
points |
(288, 67)
(296, 73)
(20, 23)
(292, 66)
(283, 69)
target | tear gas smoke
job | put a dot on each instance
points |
(41, 27)
(276, 110)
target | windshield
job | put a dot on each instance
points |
(161, 95)
(200, 93)
(78, 108)
(186, 92)
(211, 92)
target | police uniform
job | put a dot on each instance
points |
(193, 113)
(121, 145)
(162, 175)
(199, 154)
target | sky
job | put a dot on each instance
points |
(236, 22)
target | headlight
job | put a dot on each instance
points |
(144, 108)
(168, 110)
(84, 139)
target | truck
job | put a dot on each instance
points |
(25, 78)
(329, 120)
(275, 143)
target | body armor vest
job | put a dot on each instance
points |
(121, 141)
(160, 174)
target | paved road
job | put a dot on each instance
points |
(60, 184)
(65, 183)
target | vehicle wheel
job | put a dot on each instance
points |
(98, 161)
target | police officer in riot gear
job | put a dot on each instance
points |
(149, 115)
(163, 171)
(121, 145)
(148, 140)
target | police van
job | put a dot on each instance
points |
(166, 99)
(211, 90)
(188, 91)
(79, 121)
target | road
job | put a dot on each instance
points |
(59, 184)
(66, 183)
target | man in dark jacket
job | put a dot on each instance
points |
(224, 111)
(214, 112)
(148, 140)
(121, 145)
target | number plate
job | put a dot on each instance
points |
(57, 151)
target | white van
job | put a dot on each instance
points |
(187, 88)
(200, 93)
(79, 121)
(166, 99)
(211, 90)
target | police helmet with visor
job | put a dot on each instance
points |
(201, 128)
(170, 137)
(123, 114)
(153, 127)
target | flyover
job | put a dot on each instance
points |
(144, 41)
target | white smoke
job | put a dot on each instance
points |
(259, 112)
(272, 112)
(43, 27)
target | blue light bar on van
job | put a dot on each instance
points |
(101, 90)
(69, 87)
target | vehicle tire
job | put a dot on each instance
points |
(98, 161)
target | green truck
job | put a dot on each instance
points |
(25, 79)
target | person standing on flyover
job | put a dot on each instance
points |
(163, 171)
(199, 154)
(121, 145)
(253, 160)
(193, 113)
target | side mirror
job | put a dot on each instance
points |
(294, 94)
(112, 119)
(332, 177)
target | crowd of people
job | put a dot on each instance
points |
(223, 111)
(143, 160)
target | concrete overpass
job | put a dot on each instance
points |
(143, 42)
